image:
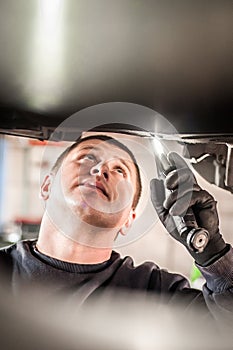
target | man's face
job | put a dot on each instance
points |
(98, 181)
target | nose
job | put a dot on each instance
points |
(99, 169)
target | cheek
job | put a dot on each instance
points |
(124, 193)
(74, 170)
(83, 169)
(69, 178)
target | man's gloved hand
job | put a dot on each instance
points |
(184, 193)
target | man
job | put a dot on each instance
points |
(91, 195)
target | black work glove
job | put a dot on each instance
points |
(175, 195)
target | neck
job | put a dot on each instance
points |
(55, 244)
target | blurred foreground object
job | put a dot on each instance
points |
(114, 322)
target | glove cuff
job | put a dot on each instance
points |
(214, 257)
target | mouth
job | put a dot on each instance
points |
(99, 187)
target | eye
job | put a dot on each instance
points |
(120, 170)
(86, 158)
(89, 157)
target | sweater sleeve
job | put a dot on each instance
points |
(216, 297)
(218, 289)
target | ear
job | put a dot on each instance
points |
(128, 223)
(45, 188)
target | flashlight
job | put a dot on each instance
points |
(196, 237)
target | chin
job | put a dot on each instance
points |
(101, 217)
(102, 220)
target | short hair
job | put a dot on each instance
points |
(113, 141)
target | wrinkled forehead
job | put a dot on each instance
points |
(105, 149)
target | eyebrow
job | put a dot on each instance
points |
(87, 148)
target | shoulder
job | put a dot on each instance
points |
(150, 275)
(6, 260)
(15, 249)
(127, 262)
(6, 251)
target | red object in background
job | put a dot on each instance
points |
(27, 221)
(33, 142)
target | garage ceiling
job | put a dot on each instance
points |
(60, 56)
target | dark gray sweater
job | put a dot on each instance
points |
(22, 266)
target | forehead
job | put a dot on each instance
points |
(102, 148)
